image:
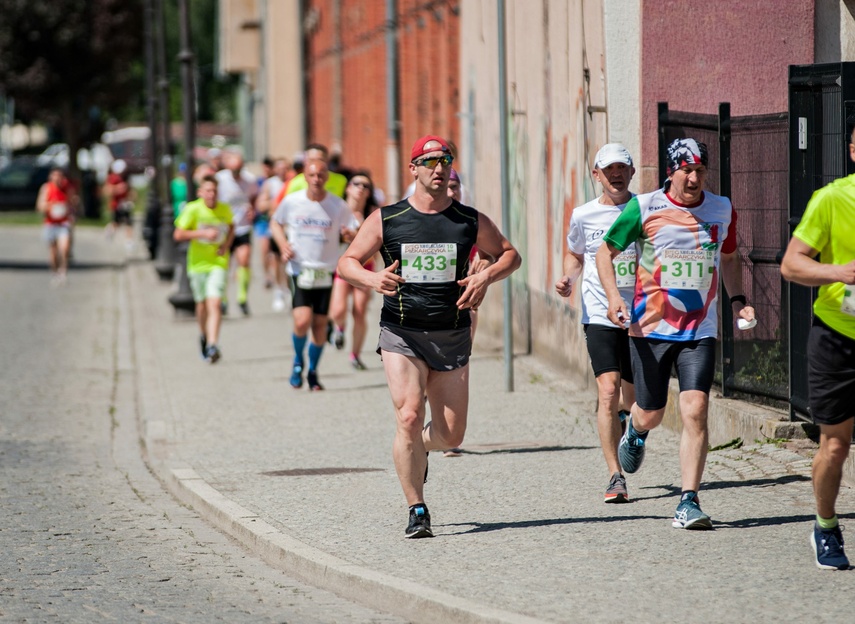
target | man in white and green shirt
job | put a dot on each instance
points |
(608, 344)
(207, 224)
(822, 254)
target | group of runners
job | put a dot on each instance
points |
(648, 268)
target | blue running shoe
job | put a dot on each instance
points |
(631, 448)
(297, 376)
(828, 548)
(689, 514)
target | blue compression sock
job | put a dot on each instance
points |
(314, 355)
(299, 347)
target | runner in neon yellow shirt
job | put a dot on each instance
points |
(827, 229)
(207, 225)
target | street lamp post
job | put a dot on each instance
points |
(152, 212)
(183, 298)
(165, 265)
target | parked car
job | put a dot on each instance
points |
(96, 158)
(20, 182)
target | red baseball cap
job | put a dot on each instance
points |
(422, 147)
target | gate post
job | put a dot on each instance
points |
(727, 355)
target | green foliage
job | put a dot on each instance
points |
(64, 60)
(767, 367)
(733, 444)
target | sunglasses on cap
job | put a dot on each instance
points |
(433, 161)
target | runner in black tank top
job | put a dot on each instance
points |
(428, 305)
(425, 336)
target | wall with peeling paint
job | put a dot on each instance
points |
(555, 72)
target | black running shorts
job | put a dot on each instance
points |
(316, 298)
(243, 239)
(831, 375)
(440, 349)
(652, 361)
(609, 350)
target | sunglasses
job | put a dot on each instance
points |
(364, 185)
(433, 161)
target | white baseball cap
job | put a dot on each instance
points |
(612, 153)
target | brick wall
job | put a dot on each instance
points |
(428, 45)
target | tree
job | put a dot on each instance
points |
(65, 61)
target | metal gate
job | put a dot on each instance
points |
(822, 112)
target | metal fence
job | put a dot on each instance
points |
(749, 164)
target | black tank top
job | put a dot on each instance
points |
(433, 250)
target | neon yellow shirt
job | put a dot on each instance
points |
(202, 254)
(828, 226)
(336, 184)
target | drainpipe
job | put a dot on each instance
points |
(393, 181)
(508, 328)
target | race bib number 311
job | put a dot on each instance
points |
(428, 262)
(688, 269)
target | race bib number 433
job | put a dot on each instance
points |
(688, 268)
(428, 262)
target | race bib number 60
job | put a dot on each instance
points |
(625, 263)
(691, 269)
(429, 262)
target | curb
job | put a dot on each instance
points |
(376, 590)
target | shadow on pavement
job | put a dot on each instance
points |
(478, 527)
(672, 490)
(33, 265)
(529, 449)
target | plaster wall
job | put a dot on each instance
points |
(553, 136)
(693, 58)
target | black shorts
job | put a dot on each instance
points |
(440, 349)
(652, 361)
(274, 248)
(122, 216)
(243, 239)
(609, 350)
(316, 298)
(831, 375)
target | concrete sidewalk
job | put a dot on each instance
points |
(306, 481)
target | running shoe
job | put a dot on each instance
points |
(213, 354)
(203, 342)
(616, 492)
(455, 452)
(312, 380)
(356, 363)
(297, 377)
(689, 514)
(419, 525)
(828, 548)
(631, 448)
(244, 308)
(337, 338)
(279, 301)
